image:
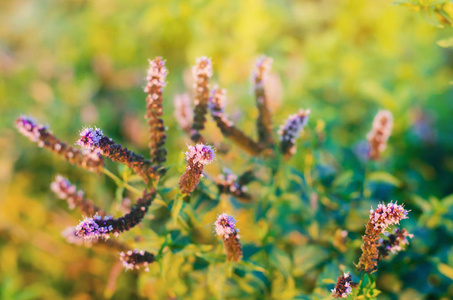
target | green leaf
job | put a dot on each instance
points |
(385, 177)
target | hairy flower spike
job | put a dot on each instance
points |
(94, 139)
(217, 106)
(154, 109)
(264, 122)
(344, 286)
(101, 227)
(134, 259)
(75, 198)
(394, 242)
(197, 157)
(380, 220)
(228, 183)
(225, 226)
(202, 72)
(183, 112)
(291, 130)
(87, 159)
(380, 133)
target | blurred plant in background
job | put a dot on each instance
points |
(78, 63)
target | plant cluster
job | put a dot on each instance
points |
(194, 197)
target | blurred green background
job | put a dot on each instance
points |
(74, 63)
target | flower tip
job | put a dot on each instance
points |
(225, 225)
(90, 138)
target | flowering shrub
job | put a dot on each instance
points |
(97, 226)
(298, 161)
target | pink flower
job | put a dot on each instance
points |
(225, 225)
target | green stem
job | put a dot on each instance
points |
(121, 182)
(357, 291)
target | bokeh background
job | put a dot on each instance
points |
(76, 63)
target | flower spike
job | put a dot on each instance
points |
(154, 107)
(134, 259)
(75, 198)
(225, 226)
(85, 158)
(380, 133)
(202, 72)
(264, 122)
(380, 220)
(217, 108)
(344, 286)
(197, 157)
(291, 130)
(101, 227)
(94, 139)
(183, 112)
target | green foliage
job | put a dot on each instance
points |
(76, 63)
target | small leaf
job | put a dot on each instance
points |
(446, 270)
(384, 177)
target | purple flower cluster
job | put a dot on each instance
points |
(183, 112)
(199, 155)
(394, 242)
(134, 259)
(386, 215)
(225, 226)
(90, 138)
(28, 127)
(291, 130)
(75, 198)
(343, 287)
(380, 133)
(217, 102)
(156, 76)
(228, 183)
(203, 68)
(263, 66)
(88, 159)
(95, 227)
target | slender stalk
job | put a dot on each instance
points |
(121, 182)
(357, 291)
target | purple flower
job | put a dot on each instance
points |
(98, 227)
(156, 76)
(386, 215)
(75, 198)
(199, 155)
(344, 286)
(40, 134)
(183, 112)
(90, 138)
(134, 259)
(203, 67)
(28, 127)
(291, 130)
(95, 227)
(225, 225)
(217, 102)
